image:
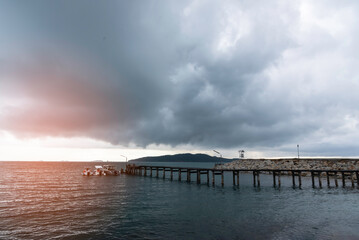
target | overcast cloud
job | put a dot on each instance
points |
(266, 74)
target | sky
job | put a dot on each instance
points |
(86, 80)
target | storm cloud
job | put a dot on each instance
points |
(202, 73)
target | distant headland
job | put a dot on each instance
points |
(186, 157)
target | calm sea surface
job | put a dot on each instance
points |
(51, 200)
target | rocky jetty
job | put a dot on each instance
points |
(293, 164)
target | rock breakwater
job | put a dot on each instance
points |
(293, 164)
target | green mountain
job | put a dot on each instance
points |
(186, 157)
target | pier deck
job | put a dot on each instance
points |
(352, 176)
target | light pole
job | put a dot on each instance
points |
(298, 150)
(220, 155)
(124, 157)
(241, 153)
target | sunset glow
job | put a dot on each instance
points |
(118, 83)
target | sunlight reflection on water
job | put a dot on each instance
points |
(52, 201)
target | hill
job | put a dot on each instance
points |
(186, 157)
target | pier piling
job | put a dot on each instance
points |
(320, 179)
(145, 171)
(293, 178)
(222, 177)
(313, 183)
(207, 177)
(274, 181)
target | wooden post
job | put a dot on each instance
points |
(352, 179)
(238, 178)
(222, 175)
(279, 183)
(179, 174)
(198, 177)
(188, 175)
(171, 174)
(164, 173)
(300, 179)
(320, 179)
(254, 178)
(357, 175)
(293, 178)
(157, 172)
(274, 182)
(343, 179)
(213, 178)
(328, 180)
(313, 184)
(207, 177)
(145, 172)
(234, 177)
(336, 179)
(258, 179)
(151, 172)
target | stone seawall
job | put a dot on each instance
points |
(293, 163)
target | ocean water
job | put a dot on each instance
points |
(51, 200)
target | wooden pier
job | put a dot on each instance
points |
(351, 176)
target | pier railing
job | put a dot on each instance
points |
(186, 173)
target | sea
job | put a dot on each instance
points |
(52, 200)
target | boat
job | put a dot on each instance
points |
(105, 170)
(98, 170)
(87, 172)
(110, 170)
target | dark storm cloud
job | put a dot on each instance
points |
(205, 73)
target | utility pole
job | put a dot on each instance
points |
(219, 154)
(124, 157)
(298, 150)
